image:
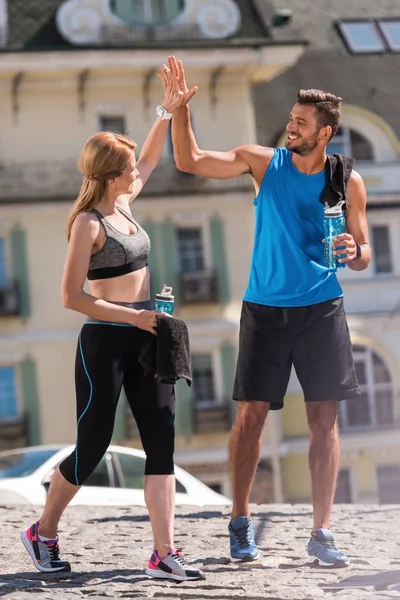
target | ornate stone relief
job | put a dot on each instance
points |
(93, 22)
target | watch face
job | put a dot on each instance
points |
(160, 111)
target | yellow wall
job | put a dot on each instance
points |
(294, 419)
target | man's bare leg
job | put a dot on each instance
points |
(244, 452)
(324, 456)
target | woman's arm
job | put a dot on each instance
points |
(154, 143)
(84, 233)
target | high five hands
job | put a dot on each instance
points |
(176, 91)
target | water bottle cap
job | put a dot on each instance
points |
(165, 294)
(334, 211)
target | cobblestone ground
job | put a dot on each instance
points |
(109, 548)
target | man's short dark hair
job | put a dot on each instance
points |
(327, 106)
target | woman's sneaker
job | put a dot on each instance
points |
(172, 566)
(322, 550)
(45, 554)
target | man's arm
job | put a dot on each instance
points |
(207, 163)
(357, 226)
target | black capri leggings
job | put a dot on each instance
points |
(107, 359)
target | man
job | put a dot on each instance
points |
(293, 307)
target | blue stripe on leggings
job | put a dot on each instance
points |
(107, 323)
(85, 411)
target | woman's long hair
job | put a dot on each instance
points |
(104, 156)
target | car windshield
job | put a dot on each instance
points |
(22, 464)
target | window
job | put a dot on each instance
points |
(23, 464)
(116, 124)
(391, 32)
(8, 394)
(352, 143)
(100, 476)
(372, 36)
(203, 379)
(147, 12)
(191, 250)
(375, 407)
(388, 479)
(3, 266)
(381, 249)
(131, 471)
(343, 493)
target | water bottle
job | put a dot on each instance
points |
(334, 224)
(165, 301)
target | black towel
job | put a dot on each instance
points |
(167, 355)
(340, 168)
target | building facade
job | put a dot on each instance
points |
(354, 53)
(71, 68)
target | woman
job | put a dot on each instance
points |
(109, 247)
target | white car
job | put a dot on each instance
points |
(118, 480)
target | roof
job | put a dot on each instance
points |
(361, 80)
(32, 27)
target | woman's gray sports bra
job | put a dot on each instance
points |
(122, 253)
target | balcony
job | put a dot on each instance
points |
(380, 178)
(51, 180)
(214, 419)
(14, 433)
(198, 288)
(10, 302)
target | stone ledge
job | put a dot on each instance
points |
(109, 548)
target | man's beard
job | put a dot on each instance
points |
(305, 148)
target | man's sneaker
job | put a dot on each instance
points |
(45, 555)
(243, 545)
(172, 566)
(322, 550)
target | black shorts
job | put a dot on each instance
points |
(314, 339)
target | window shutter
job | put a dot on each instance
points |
(170, 262)
(20, 268)
(218, 251)
(153, 232)
(30, 397)
(228, 362)
(184, 418)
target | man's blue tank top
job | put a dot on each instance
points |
(288, 264)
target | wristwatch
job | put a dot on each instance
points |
(358, 255)
(162, 113)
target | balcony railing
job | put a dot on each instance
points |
(213, 419)
(10, 300)
(47, 180)
(119, 34)
(198, 288)
(14, 433)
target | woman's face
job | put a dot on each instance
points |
(127, 178)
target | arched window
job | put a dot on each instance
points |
(352, 143)
(375, 407)
(147, 12)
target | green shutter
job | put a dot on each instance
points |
(29, 387)
(228, 361)
(219, 258)
(184, 409)
(170, 259)
(153, 230)
(20, 268)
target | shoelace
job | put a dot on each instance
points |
(54, 551)
(328, 544)
(178, 559)
(242, 536)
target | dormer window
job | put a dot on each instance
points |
(370, 36)
(147, 12)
